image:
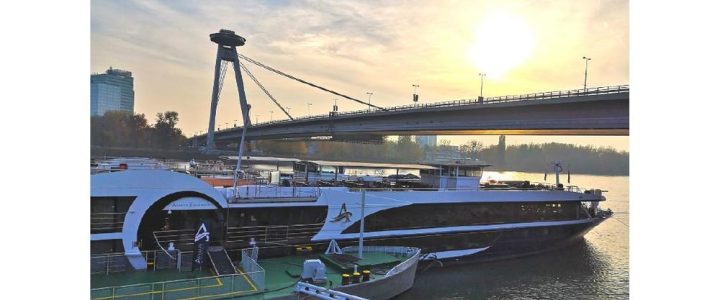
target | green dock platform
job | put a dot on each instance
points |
(281, 275)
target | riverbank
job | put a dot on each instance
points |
(100, 152)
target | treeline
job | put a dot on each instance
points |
(537, 158)
(403, 150)
(525, 157)
(125, 129)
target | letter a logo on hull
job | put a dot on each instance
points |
(343, 215)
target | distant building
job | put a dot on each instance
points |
(426, 140)
(501, 151)
(112, 90)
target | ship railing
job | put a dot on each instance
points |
(593, 91)
(212, 287)
(574, 188)
(410, 254)
(272, 233)
(175, 165)
(478, 188)
(319, 292)
(179, 237)
(106, 222)
(535, 186)
(405, 189)
(251, 192)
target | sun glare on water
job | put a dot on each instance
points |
(503, 41)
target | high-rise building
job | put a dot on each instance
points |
(426, 140)
(501, 151)
(112, 90)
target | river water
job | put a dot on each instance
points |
(595, 268)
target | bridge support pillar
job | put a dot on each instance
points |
(227, 42)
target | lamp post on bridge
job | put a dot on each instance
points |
(271, 115)
(415, 94)
(369, 95)
(482, 82)
(309, 104)
(256, 118)
(587, 59)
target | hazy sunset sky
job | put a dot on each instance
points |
(358, 47)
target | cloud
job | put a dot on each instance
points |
(352, 47)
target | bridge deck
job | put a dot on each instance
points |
(597, 111)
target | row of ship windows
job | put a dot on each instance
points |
(466, 214)
(107, 215)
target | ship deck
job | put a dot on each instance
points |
(281, 275)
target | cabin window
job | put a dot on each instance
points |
(299, 167)
(241, 217)
(436, 242)
(274, 224)
(106, 246)
(107, 214)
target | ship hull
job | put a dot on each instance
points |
(505, 244)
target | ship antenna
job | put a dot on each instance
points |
(568, 169)
(558, 169)
(362, 224)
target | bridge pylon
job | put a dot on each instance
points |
(227, 42)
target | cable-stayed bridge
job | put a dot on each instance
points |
(591, 111)
(597, 111)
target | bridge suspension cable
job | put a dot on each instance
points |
(305, 82)
(223, 71)
(264, 90)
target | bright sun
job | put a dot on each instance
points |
(503, 41)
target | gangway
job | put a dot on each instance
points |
(221, 261)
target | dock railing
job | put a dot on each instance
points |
(213, 287)
(108, 263)
(117, 262)
(251, 267)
